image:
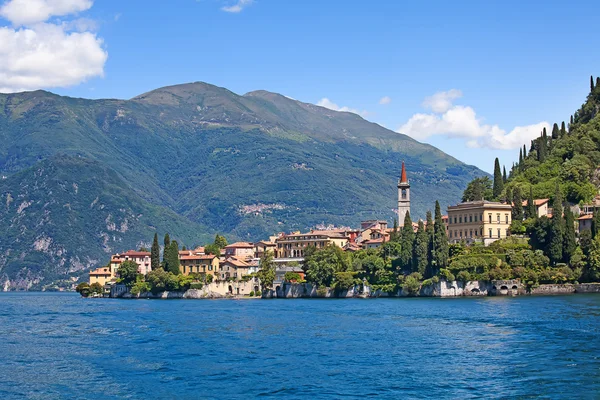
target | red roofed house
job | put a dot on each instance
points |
(240, 250)
(199, 264)
(541, 206)
(141, 258)
(585, 222)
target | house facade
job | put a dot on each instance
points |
(483, 221)
(199, 264)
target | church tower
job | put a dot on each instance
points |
(403, 196)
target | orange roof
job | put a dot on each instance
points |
(198, 257)
(537, 202)
(235, 262)
(133, 253)
(240, 245)
(380, 240)
(584, 217)
(101, 271)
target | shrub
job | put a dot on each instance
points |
(196, 285)
(96, 288)
(463, 276)
(321, 291)
(252, 294)
(140, 286)
(83, 289)
(259, 293)
(411, 285)
(446, 274)
(292, 277)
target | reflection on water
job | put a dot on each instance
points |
(62, 346)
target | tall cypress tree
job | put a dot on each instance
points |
(563, 129)
(555, 131)
(498, 182)
(172, 262)
(517, 210)
(504, 177)
(524, 152)
(595, 224)
(420, 250)
(395, 235)
(542, 147)
(570, 242)
(520, 159)
(167, 240)
(591, 84)
(166, 250)
(570, 124)
(597, 82)
(530, 211)
(555, 250)
(440, 240)
(407, 240)
(155, 253)
(430, 232)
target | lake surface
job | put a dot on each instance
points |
(56, 345)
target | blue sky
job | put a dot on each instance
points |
(475, 78)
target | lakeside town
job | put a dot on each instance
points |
(238, 269)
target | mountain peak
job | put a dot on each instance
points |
(191, 93)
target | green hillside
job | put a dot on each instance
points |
(246, 166)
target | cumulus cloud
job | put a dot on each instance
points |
(48, 54)
(325, 102)
(385, 100)
(457, 121)
(27, 12)
(237, 7)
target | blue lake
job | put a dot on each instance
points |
(56, 345)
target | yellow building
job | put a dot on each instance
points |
(484, 221)
(101, 275)
(199, 264)
(293, 246)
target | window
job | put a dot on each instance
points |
(471, 233)
(450, 234)
(490, 215)
(210, 267)
(506, 217)
(490, 228)
(460, 220)
(470, 218)
(461, 234)
(481, 218)
(481, 232)
(507, 233)
(454, 219)
(498, 217)
(404, 194)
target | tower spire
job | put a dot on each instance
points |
(403, 196)
(403, 178)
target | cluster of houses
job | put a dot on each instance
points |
(482, 221)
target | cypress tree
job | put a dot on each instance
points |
(498, 182)
(543, 147)
(155, 253)
(597, 82)
(520, 158)
(524, 152)
(430, 232)
(555, 250)
(166, 250)
(504, 177)
(591, 84)
(477, 190)
(440, 240)
(595, 224)
(517, 210)
(555, 131)
(167, 241)
(530, 211)
(570, 124)
(509, 195)
(407, 240)
(172, 262)
(570, 242)
(563, 129)
(395, 235)
(420, 250)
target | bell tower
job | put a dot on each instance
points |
(403, 196)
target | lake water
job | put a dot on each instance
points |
(55, 345)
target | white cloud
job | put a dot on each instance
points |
(385, 100)
(237, 7)
(456, 121)
(46, 55)
(442, 101)
(27, 12)
(325, 102)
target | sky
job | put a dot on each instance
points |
(477, 79)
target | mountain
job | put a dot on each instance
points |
(193, 160)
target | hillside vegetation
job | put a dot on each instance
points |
(199, 158)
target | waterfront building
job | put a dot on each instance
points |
(293, 246)
(101, 275)
(264, 246)
(141, 258)
(198, 263)
(483, 221)
(403, 196)
(234, 268)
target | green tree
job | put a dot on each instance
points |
(592, 270)
(555, 131)
(524, 152)
(220, 241)
(517, 210)
(172, 258)
(530, 211)
(504, 177)
(266, 274)
(212, 249)
(440, 240)
(128, 272)
(83, 289)
(324, 263)
(498, 181)
(585, 241)
(420, 250)
(96, 288)
(520, 160)
(155, 253)
(407, 239)
(595, 224)
(430, 235)
(591, 84)
(478, 189)
(395, 235)
(570, 241)
(555, 250)
(167, 241)
(563, 129)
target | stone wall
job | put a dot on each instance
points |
(214, 290)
